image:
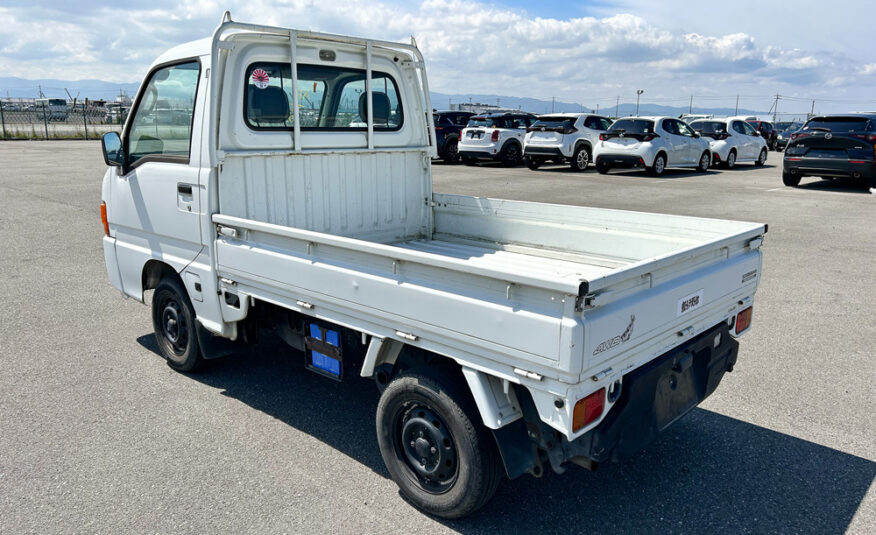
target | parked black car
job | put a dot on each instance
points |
(767, 131)
(448, 125)
(833, 146)
(785, 130)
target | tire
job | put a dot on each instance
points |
(761, 159)
(730, 163)
(790, 180)
(603, 168)
(468, 160)
(511, 155)
(173, 319)
(705, 162)
(451, 151)
(532, 162)
(659, 165)
(580, 159)
(421, 416)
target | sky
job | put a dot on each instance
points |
(589, 52)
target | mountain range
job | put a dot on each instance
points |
(13, 87)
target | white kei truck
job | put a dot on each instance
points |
(503, 336)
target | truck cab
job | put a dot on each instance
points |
(290, 189)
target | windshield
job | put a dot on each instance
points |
(554, 122)
(633, 126)
(838, 124)
(709, 127)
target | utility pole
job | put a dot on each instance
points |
(638, 94)
(616, 107)
(690, 108)
(776, 108)
(737, 106)
(40, 89)
(813, 110)
(552, 104)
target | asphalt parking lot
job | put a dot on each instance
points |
(98, 435)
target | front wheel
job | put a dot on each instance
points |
(659, 166)
(580, 160)
(532, 162)
(762, 158)
(173, 319)
(434, 445)
(705, 162)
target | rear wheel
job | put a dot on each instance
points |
(705, 162)
(434, 446)
(603, 168)
(173, 319)
(511, 155)
(790, 180)
(451, 151)
(762, 158)
(533, 162)
(731, 160)
(581, 159)
(468, 160)
(659, 165)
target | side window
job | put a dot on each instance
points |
(684, 129)
(606, 123)
(669, 126)
(739, 128)
(749, 130)
(328, 98)
(162, 123)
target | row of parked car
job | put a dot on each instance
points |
(656, 143)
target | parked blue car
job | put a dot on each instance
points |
(448, 125)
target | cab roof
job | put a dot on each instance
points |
(201, 47)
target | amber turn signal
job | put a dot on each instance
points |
(103, 218)
(588, 410)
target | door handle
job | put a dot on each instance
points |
(185, 189)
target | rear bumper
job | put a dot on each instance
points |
(627, 161)
(481, 154)
(830, 167)
(547, 152)
(656, 395)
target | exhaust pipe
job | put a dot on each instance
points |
(856, 175)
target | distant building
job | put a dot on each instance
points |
(477, 107)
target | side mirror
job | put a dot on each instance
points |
(113, 154)
(696, 133)
(757, 133)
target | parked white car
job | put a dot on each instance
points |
(563, 137)
(652, 143)
(731, 141)
(497, 136)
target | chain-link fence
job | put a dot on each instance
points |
(59, 119)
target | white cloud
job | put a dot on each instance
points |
(470, 47)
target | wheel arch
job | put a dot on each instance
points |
(585, 143)
(154, 271)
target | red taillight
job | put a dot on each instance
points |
(868, 137)
(725, 135)
(103, 218)
(603, 137)
(495, 136)
(799, 135)
(648, 137)
(743, 320)
(588, 410)
(439, 128)
(857, 161)
(568, 130)
(794, 159)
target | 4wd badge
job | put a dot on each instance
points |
(690, 302)
(617, 340)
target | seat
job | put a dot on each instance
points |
(268, 105)
(382, 108)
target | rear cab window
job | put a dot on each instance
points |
(329, 98)
(709, 127)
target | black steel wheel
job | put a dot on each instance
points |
(434, 445)
(173, 319)
(792, 180)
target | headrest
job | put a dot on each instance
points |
(381, 107)
(270, 105)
